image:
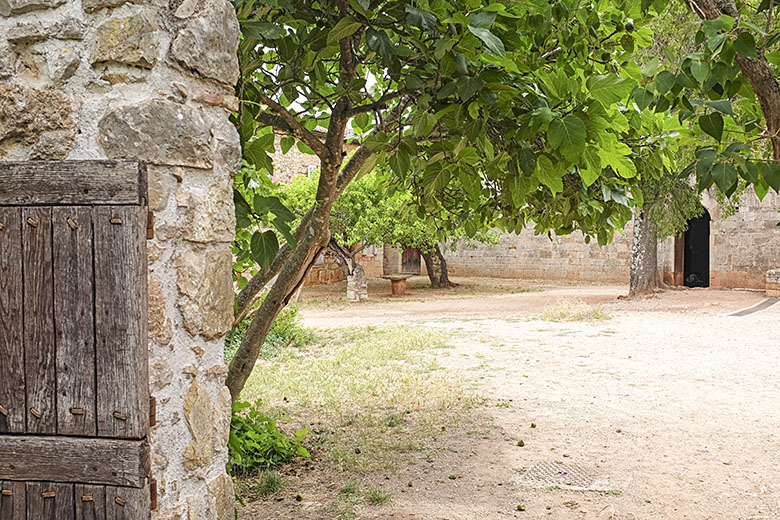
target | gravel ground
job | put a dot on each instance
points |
(668, 409)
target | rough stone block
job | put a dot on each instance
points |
(14, 7)
(69, 29)
(206, 287)
(197, 411)
(26, 33)
(217, 99)
(158, 132)
(159, 192)
(211, 219)
(7, 61)
(227, 146)
(42, 119)
(221, 491)
(160, 326)
(131, 40)
(63, 65)
(93, 5)
(222, 415)
(215, 28)
(215, 297)
(773, 283)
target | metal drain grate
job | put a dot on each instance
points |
(567, 476)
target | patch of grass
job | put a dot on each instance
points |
(376, 496)
(552, 488)
(613, 492)
(341, 511)
(369, 395)
(267, 484)
(350, 496)
(573, 310)
(349, 491)
(270, 483)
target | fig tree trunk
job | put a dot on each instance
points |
(644, 256)
(436, 265)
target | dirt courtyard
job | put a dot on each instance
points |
(668, 407)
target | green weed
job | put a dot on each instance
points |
(376, 496)
(257, 443)
(286, 331)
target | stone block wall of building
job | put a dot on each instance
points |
(743, 247)
(773, 283)
(327, 271)
(526, 256)
(152, 80)
(288, 165)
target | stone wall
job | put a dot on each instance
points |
(526, 256)
(327, 271)
(93, 79)
(773, 283)
(288, 165)
(742, 248)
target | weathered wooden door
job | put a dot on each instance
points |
(74, 393)
(410, 261)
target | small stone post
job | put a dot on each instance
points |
(773, 283)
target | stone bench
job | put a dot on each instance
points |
(773, 283)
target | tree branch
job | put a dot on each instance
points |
(376, 105)
(758, 71)
(246, 296)
(294, 127)
(359, 158)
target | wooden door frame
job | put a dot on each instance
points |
(678, 273)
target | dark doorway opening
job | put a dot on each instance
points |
(696, 263)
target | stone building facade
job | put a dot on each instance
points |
(742, 248)
(152, 80)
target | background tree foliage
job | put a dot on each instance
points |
(372, 212)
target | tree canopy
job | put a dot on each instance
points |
(498, 113)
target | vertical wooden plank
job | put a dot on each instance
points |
(73, 318)
(13, 504)
(120, 321)
(90, 502)
(12, 396)
(127, 503)
(48, 501)
(39, 321)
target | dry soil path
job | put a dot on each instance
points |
(670, 409)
